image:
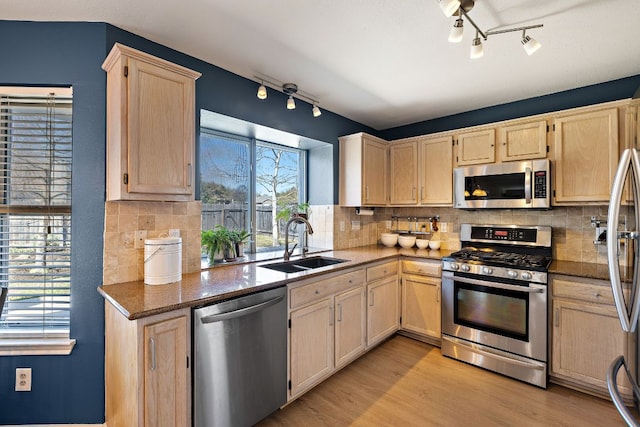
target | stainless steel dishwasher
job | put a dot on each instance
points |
(240, 359)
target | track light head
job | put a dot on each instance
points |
(316, 111)
(530, 44)
(455, 36)
(291, 103)
(449, 7)
(477, 51)
(262, 92)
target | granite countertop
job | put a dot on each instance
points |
(136, 300)
(580, 269)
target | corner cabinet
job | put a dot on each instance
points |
(586, 156)
(147, 369)
(150, 127)
(363, 170)
(421, 290)
(383, 293)
(586, 335)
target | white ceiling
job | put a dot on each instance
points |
(383, 63)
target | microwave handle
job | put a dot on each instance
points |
(527, 185)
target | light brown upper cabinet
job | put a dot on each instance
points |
(403, 158)
(436, 171)
(476, 147)
(523, 141)
(150, 127)
(363, 170)
(586, 156)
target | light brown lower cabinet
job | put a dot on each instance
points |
(421, 290)
(326, 329)
(586, 335)
(147, 369)
(383, 302)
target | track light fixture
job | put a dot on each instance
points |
(290, 89)
(462, 8)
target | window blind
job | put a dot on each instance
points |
(35, 210)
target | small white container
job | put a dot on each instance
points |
(434, 244)
(162, 260)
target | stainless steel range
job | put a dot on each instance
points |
(494, 300)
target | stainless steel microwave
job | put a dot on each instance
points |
(512, 185)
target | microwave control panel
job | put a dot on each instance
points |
(540, 184)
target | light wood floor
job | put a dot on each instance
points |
(408, 383)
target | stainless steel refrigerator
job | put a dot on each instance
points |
(623, 228)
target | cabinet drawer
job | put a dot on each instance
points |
(590, 292)
(383, 270)
(325, 287)
(424, 268)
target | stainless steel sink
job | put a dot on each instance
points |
(303, 264)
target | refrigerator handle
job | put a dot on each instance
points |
(614, 392)
(626, 315)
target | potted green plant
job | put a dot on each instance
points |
(239, 238)
(302, 210)
(218, 244)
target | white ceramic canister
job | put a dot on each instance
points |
(162, 260)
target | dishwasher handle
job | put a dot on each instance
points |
(242, 311)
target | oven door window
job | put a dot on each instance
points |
(495, 187)
(493, 310)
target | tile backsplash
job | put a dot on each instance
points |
(122, 261)
(572, 238)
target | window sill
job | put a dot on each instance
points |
(37, 347)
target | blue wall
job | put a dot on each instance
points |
(588, 95)
(70, 389)
(66, 389)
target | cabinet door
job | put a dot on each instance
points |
(436, 171)
(374, 172)
(524, 141)
(382, 309)
(476, 147)
(350, 315)
(311, 344)
(161, 129)
(586, 339)
(586, 151)
(166, 400)
(403, 158)
(421, 305)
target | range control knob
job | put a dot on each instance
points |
(512, 274)
(465, 267)
(487, 270)
(454, 266)
(526, 275)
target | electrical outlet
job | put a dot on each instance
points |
(23, 379)
(174, 232)
(341, 225)
(355, 225)
(140, 236)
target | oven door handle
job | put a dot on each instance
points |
(516, 288)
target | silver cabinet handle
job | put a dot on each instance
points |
(370, 298)
(152, 350)
(339, 312)
(438, 293)
(189, 173)
(330, 315)
(556, 317)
